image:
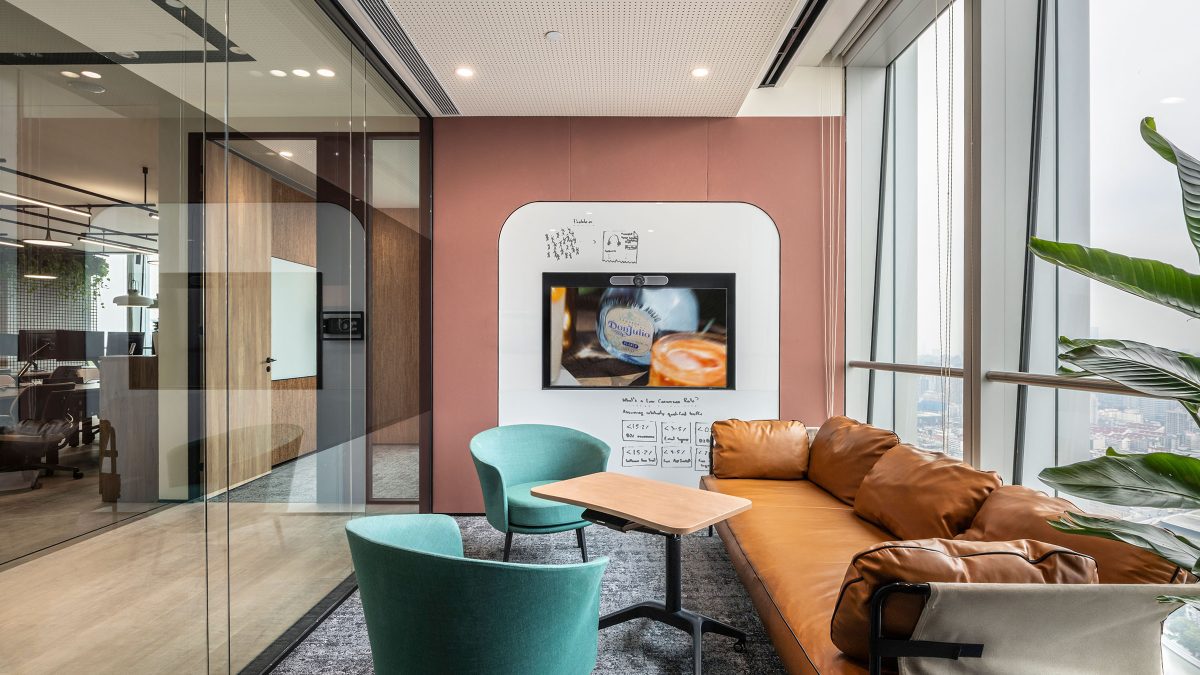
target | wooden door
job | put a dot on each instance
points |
(237, 327)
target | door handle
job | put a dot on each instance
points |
(269, 361)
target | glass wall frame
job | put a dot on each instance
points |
(219, 563)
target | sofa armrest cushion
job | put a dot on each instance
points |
(941, 560)
(1017, 512)
(923, 495)
(774, 449)
(843, 452)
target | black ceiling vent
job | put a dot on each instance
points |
(791, 42)
(386, 22)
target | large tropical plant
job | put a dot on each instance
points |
(1156, 479)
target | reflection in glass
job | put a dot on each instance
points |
(200, 474)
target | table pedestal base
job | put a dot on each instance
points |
(671, 612)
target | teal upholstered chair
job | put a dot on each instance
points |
(430, 610)
(512, 460)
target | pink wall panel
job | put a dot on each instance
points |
(631, 159)
(777, 163)
(485, 168)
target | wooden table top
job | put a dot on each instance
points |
(666, 507)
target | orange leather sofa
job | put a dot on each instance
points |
(792, 549)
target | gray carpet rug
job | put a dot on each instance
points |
(394, 471)
(635, 573)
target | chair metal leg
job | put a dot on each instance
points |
(507, 544)
(582, 539)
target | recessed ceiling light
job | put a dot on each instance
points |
(287, 154)
(325, 72)
(70, 74)
(177, 4)
(463, 71)
(1172, 100)
(278, 73)
(241, 51)
(90, 73)
(700, 72)
(128, 55)
(554, 36)
(48, 277)
(300, 72)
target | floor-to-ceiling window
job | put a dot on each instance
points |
(917, 299)
(214, 263)
(1053, 95)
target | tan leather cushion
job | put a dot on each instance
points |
(775, 449)
(843, 452)
(942, 560)
(923, 495)
(1017, 512)
(790, 551)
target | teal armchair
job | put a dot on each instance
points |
(430, 610)
(512, 460)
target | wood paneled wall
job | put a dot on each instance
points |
(237, 319)
(294, 238)
(394, 327)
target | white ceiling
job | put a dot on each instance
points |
(278, 34)
(616, 57)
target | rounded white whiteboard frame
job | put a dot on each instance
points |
(698, 237)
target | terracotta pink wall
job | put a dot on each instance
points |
(487, 167)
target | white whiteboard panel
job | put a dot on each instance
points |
(655, 433)
(293, 320)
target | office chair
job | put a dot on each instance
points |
(64, 374)
(512, 460)
(32, 444)
(431, 610)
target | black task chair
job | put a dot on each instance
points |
(32, 444)
(64, 374)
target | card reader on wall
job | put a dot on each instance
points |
(342, 325)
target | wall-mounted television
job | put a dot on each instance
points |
(643, 331)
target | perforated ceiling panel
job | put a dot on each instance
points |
(616, 57)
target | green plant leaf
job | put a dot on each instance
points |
(1150, 279)
(1146, 368)
(1193, 600)
(1188, 169)
(1161, 542)
(1158, 479)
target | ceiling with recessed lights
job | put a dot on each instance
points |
(612, 57)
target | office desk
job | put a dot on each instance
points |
(7, 394)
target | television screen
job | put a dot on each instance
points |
(641, 331)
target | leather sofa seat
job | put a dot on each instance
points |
(791, 551)
(793, 548)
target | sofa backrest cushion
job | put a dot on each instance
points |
(923, 495)
(1018, 512)
(776, 449)
(941, 560)
(842, 453)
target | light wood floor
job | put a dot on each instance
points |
(185, 589)
(63, 508)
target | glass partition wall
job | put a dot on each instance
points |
(214, 263)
